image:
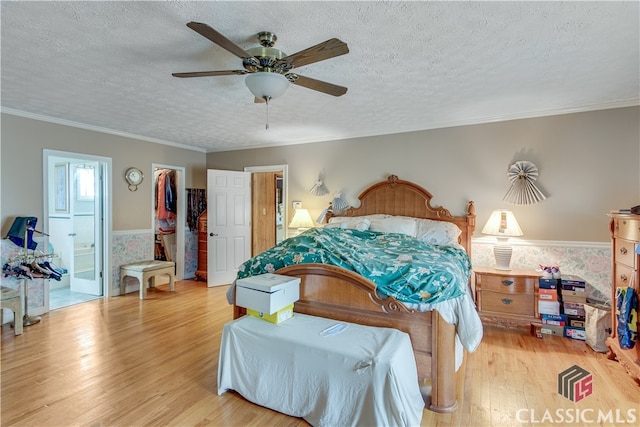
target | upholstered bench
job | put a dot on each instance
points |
(307, 367)
(10, 298)
(145, 272)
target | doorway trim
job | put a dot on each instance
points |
(285, 185)
(107, 226)
(181, 214)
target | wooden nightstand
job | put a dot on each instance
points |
(507, 296)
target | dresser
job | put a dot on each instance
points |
(507, 296)
(201, 272)
(625, 235)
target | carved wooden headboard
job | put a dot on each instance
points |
(397, 197)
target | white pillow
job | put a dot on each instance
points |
(438, 232)
(395, 224)
(358, 222)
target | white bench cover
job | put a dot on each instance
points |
(360, 376)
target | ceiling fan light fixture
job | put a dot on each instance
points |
(266, 85)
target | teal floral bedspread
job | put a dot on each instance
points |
(401, 266)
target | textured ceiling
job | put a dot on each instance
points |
(411, 66)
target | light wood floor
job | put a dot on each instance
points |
(126, 362)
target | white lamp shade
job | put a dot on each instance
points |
(301, 219)
(266, 84)
(502, 223)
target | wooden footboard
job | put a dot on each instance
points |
(336, 293)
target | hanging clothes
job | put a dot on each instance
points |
(165, 191)
(170, 195)
(196, 204)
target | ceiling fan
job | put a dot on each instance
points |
(269, 70)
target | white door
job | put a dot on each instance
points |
(228, 224)
(87, 225)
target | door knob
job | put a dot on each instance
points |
(213, 234)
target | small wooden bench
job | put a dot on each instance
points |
(10, 298)
(145, 272)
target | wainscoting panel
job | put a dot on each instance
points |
(588, 260)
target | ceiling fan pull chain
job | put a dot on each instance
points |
(266, 98)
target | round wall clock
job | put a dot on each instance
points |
(134, 177)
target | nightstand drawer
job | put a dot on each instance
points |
(507, 284)
(624, 252)
(517, 304)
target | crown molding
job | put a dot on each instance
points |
(64, 122)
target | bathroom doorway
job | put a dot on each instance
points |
(76, 209)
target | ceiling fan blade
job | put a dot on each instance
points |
(206, 31)
(325, 50)
(320, 86)
(210, 73)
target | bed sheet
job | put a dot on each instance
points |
(361, 376)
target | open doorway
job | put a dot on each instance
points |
(76, 220)
(169, 215)
(268, 206)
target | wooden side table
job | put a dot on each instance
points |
(507, 296)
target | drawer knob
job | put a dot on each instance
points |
(623, 277)
(623, 251)
(506, 300)
(507, 282)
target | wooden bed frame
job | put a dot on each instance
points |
(336, 293)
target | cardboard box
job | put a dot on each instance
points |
(548, 307)
(578, 292)
(556, 330)
(573, 287)
(548, 294)
(267, 293)
(576, 321)
(574, 309)
(570, 279)
(554, 319)
(277, 317)
(581, 297)
(575, 333)
(548, 283)
(573, 283)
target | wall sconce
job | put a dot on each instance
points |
(502, 224)
(319, 188)
(523, 191)
(301, 220)
(338, 204)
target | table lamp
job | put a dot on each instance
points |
(502, 224)
(301, 220)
